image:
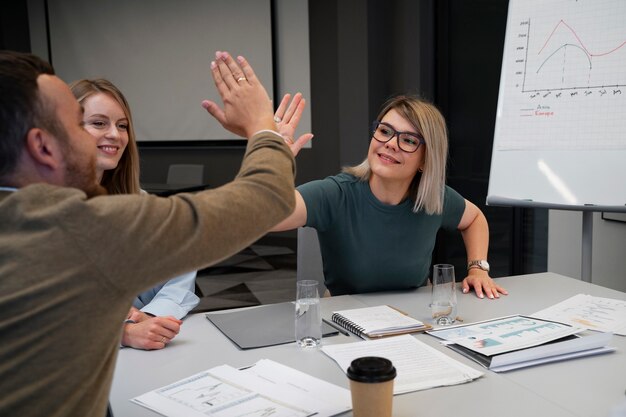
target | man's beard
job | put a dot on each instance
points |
(82, 175)
(79, 173)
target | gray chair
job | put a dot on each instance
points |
(189, 174)
(309, 257)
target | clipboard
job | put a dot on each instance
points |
(266, 325)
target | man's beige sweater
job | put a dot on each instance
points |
(70, 266)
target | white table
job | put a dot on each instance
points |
(587, 387)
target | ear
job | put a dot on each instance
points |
(44, 149)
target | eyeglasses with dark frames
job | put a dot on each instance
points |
(407, 141)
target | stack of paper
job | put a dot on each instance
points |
(513, 342)
(418, 365)
(266, 388)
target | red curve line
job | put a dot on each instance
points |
(579, 40)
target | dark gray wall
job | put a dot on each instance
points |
(361, 53)
(220, 163)
(14, 26)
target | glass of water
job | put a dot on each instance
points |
(443, 299)
(308, 314)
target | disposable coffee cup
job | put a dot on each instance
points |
(371, 386)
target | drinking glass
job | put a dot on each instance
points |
(443, 299)
(308, 314)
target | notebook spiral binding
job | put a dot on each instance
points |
(347, 324)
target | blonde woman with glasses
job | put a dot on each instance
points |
(377, 222)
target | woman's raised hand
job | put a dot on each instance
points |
(287, 118)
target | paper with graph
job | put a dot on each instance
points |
(593, 313)
(505, 334)
(267, 388)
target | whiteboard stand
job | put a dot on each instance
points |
(587, 246)
(558, 112)
(587, 226)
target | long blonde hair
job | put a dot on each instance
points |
(123, 179)
(427, 189)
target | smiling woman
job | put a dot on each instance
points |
(377, 222)
(108, 119)
(109, 127)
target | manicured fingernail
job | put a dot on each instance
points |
(240, 59)
(213, 65)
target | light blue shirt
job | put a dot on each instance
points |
(175, 297)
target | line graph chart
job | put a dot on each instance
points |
(575, 45)
(563, 82)
(564, 61)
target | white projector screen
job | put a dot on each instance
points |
(158, 53)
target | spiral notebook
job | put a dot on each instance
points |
(378, 321)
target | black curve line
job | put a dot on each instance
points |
(561, 47)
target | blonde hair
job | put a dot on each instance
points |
(427, 189)
(123, 179)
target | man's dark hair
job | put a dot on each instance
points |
(21, 107)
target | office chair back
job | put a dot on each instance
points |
(309, 258)
(190, 174)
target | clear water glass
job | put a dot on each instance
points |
(308, 314)
(443, 304)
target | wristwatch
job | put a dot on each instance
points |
(480, 264)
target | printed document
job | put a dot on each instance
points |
(418, 365)
(593, 313)
(266, 388)
(505, 334)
